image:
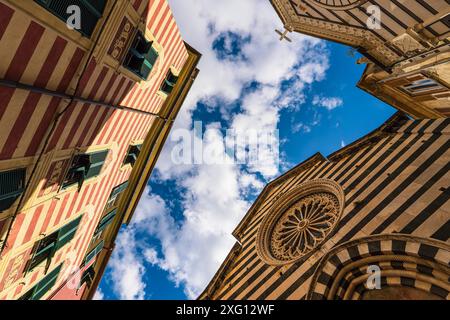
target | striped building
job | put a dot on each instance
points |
(84, 113)
(379, 206)
(405, 44)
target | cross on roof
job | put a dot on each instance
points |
(283, 35)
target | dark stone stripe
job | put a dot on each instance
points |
(441, 292)
(353, 252)
(432, 208)
(398, 265)
(384, 168)
(428, 252)
(255, 288)
(297, 283)
(425, 269)
(376, 150)
(408, 282)
(252, 262)
(249, 281)
(443, 233)
(398, 246)
(374, 247)
(426, 213)
(398, 190)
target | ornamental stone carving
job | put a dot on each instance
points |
(300, 221)
(337, 5)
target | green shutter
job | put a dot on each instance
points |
(43, 286)
(133, 154)
(12, 184)
(152, 56)
(94, 252)
(141, 57)
(169, 82)
(67, 233)
(105, 221)
(119, 189)
(96, 163)
(46, 247)
(88, 277)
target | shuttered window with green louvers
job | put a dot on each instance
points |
(87, 277)
(169, 82)
(93, 253)
(12, 185)
(105, 221)
(132, 154)
(91, 12)
(67, 233)
(43, 286)
(84, 166)
(46, 248)
(141, 56)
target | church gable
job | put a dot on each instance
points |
(384, 178)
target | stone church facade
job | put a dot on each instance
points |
(318, 231)
(375, 214)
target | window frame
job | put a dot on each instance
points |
(83, 168)
(33, 292)
(11, 197)
(126, 160)
(57, 241)
(150, 57)
(46, 5)
(169, 82)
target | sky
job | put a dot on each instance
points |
(249, 80)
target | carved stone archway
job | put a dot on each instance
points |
(407, 266)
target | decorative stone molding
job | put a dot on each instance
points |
(350, 35)
(349, 4)
(403, 260)
(301, 219)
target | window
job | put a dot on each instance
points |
(46, 247)
(87, 277)
(169, 82)
(132, 154)
(141, 57)
(422, 86)
(84, 166)
(93, 253)
(91, 12)
(114, 197)
(105, 221)
(110, 209)
(43, 286)
(12, 184)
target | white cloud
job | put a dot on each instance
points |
(99, 295)
(329, 103)
(192, 250)
(128, 268)
(301, 127)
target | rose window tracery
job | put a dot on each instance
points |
(304, 226)
(300, 221)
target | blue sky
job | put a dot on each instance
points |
(306, 89)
